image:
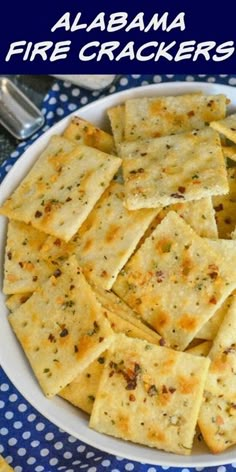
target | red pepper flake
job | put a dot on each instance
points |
(172, 389)
(214, 269)
(51, 337)
(131, 377)
(191, 113)
(219, 420)
(132, 398)
(213, 300)
(162, 342)
(38, 214)
(181, 189)
(160, 276)
(64, 333)
(219, 207)
(57, 273)
(164, 389)
(57, 242)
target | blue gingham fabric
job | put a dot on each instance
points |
(28, 441)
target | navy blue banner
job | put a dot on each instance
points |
(70, 37)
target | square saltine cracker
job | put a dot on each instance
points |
(150, 117)
(62, 187)
(171, 169)
(175, 281)
(149, 395)
(61, 327)
(217, 418)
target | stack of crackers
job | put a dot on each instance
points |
(120, 270)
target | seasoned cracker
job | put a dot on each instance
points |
(62, 328)
(180, 168)
(149, 395)
(199, 214)
(227, 249)
(62, 187)
(227, 127)
(202, 349)
(217, 422)
(82, 391)
(161, 116)
(175, 281)
(217, 418)
(117, 119)
(225, 207)
(210, 329)
(116, 306)
(229, 151)
(24, 270)
(107, 238)
(83, 132)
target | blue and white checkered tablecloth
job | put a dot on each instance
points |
(28, 441)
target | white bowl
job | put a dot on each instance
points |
(12, 358)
